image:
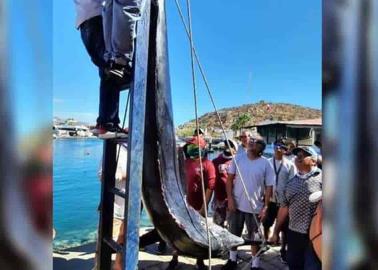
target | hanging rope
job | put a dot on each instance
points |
(197, 126)
(260, 232)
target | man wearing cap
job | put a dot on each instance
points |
(193, 176)
(289, 153)
(297, 206)
(284, 170)
(244, 137)
(256, 173)
(221, 164)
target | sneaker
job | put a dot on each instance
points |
(256, 268)
(119, 73)
(109, 132)
(230, 265)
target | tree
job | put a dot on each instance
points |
(240, 122)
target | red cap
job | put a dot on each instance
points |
(194, 140)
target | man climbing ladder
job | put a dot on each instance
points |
(108, 31)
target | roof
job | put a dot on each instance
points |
(316, 122)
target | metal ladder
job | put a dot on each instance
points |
(106, 245)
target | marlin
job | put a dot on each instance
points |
(163, 176)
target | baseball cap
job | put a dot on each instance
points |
(309, 151)
(232, 144)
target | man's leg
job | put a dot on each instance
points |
(125, 15)
(236, 224)
(311, 260)
(92, 36)
(297, 244)
(107, 15)
(252, 223)
(109, 102)
(283, 251)
(271, 216)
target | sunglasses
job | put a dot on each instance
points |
(281, 147)
(243, 136)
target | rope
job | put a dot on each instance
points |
(219, 119)
(197, 126)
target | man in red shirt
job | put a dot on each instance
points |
(193, 175)
(221, 164)
(195, 150)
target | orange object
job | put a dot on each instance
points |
(316, 230)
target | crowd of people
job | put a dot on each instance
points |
(270, 198)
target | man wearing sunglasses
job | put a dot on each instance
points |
(300, 209)
(284, 170)
(255, 172)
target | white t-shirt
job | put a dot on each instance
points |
(291, 158)
(257, 174)
(286, 172)
(120, 182)
(241, 150)
(86, 9)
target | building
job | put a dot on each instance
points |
(304, 132)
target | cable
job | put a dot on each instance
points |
(197, 126)
(219, 119)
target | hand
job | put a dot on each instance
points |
(231, 205)
(263, 213)
(274, 238)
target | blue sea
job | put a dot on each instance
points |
(77, 191)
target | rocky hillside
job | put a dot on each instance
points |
(254, 113)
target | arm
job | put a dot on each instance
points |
(208, 195)
(282, 215)
(268, 195)
(229, 186)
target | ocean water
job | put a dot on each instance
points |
(77, 191)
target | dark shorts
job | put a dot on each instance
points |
(220, 212)
(237, 220)
(271, 215)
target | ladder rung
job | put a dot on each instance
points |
(113, 245)
(118, 192)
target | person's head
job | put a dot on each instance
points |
(199, 131)
(306, 158)
(230, 148)
(280, 148)
(196, 146)
(256, 145)
(290, 146)
(244, 137)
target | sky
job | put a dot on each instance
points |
(250, 50)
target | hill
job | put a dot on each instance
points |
(253, 114)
